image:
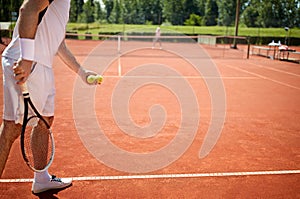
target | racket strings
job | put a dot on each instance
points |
(37, 143)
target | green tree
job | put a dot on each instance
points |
(87, 16)
(76, 9)
(99, 14)
(80, 4)
(226, 12)
(201, 7)
(194, 20)
(250, 17)
(173, 11)
(73, 11)
(261, 13)
(116, 15)
(152, 11)
(211, 13)
(133, 12)
(109, 5)
(278, 13)
(288, 13)
(191, 7)
(7, 7)
(267, 14)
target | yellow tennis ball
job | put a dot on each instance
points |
(92, 78)
(99, 79)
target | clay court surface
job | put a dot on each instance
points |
(256, 156)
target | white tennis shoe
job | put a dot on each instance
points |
(54, 183)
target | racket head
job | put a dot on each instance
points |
(37, 143)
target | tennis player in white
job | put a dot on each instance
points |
(157, 38)
(37, 38)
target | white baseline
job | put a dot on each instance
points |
(169, 176)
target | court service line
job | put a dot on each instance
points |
(262, 77)
(277, 70)
(169, 176)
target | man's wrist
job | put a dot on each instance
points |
(82, 72)
(27, 49)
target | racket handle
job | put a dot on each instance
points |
(24, 88)
(94, 78)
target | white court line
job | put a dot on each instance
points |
(168, 176)
(178, 77)
(119, 67)
(262, 77)
(277, 70)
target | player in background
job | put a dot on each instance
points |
(157, 38)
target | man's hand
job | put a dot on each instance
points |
(83, 73)
(22, 69)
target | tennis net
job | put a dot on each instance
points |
(221, 45)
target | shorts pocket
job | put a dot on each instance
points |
(33, 70)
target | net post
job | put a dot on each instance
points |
(248, 49)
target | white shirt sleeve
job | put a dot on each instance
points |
(51, 31)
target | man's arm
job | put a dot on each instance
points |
(68, 58)
(29, 15)
(28, 22)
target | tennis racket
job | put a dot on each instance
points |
(37, 142)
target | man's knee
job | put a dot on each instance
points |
(10, 130)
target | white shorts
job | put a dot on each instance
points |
(41, 87)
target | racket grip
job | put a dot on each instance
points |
(94, 78)
(24, 88)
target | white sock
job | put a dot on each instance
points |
(42, 176)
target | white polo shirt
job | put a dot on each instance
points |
(50, 33)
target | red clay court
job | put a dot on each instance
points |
(257, 154)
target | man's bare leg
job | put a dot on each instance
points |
(9, 132)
